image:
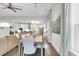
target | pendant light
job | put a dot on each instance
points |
(35, 21)
(35, 10)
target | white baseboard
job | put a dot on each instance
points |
(73, 53)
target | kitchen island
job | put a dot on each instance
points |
(7, 43)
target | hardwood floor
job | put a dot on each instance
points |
(13, 52)
(49, 51)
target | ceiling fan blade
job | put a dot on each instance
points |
(13, 9)
(18, 8)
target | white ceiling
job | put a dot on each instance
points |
(28, 9)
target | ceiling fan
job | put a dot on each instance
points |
(11, 7)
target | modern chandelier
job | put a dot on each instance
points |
(35, 15)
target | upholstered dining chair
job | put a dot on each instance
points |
(28, 46)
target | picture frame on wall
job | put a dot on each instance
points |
(56, 25)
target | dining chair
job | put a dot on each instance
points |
(28, 46)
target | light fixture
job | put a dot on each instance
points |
(35, 10)
(35, 13)
(32, 22)
(4, 24)
(35, 21)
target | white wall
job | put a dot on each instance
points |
(56, 38)
(74, 21)
(74, 35)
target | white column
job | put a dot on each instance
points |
(49, 27)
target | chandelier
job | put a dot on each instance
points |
(35, 21)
